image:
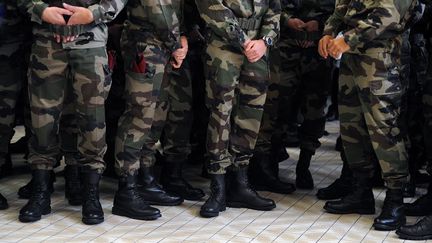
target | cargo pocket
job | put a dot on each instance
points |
(387, 80)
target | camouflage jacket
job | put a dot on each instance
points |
(158, 22)
(90, 36)
(306, 10)
(370, 23)
(14, 26)
(236, 21)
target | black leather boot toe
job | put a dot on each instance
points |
(393, 214)
(128, 202)
(92, 212)
(422, 230)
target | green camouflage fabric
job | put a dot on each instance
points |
(12, 68)
(297, 72)
(151, 33)
(87, 69)
(172, 121)
(93, 35)
(236, 89)
(368, 24)
(370, 85)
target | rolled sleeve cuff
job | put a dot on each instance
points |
(97, 14)
(38, 10)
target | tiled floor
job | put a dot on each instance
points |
(298, 217)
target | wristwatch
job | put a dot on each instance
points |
(268, 41)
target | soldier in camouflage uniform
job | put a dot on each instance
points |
(13, 34)
(422, 207)
(302, 71)
(237, 76)
(151, 44)
(82, 60)
(369, 100)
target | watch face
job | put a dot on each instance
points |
(268, 41)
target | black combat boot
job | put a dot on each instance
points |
(128, 202)
(264, 175)
(73, 185)
(92, 212)
(239, 194)
(304, 178)
(341, 187)
(421, 206)
(3, 203)
(393, 214)
(422, 230)
(25, 191)
(153, 193)
(216, 202)
(40, 202)
(360, 200)
(173, 182)
(6, 167)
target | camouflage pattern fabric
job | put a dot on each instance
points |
(151, 33)
(48, 82)
(93, 35)
(172, 120)
(302, 73)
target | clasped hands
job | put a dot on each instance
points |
(180, 54)
(254, 50)
(56, 16)
(334, 47)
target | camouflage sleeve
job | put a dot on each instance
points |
(222, 21)
(271, 20)
(336, 19)
(287, 11)
(34, 8)
(106, 10)
(326, 9)
(385, 15)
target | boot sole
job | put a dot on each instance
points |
(412, 237)
(206, 214)
(125, 213)
(357, 211)
(164, 203)
(29, 219)
(92, 221)
(243, 205)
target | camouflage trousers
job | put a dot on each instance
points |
(302, 73)
(236, 93)
(144, 66)
(51, 68)
(172, 121)
(12, 74)
(369, 104)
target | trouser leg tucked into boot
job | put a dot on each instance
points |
(73, 185)
(39, 203)
(92, 212)
(264, 175)
(360, 200)
(216, 202)
(153, 193)
(241, 195)
(393, 214)
(173, 182)
(304, 178)
(129, 202)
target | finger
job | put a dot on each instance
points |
(63, 11)
(70, 7)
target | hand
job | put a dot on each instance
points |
(323, 46)
(54, 15)
(255, 50)
(80, 15)
(180, 54)
(337, 47)
(296, 24)
(311, 26)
